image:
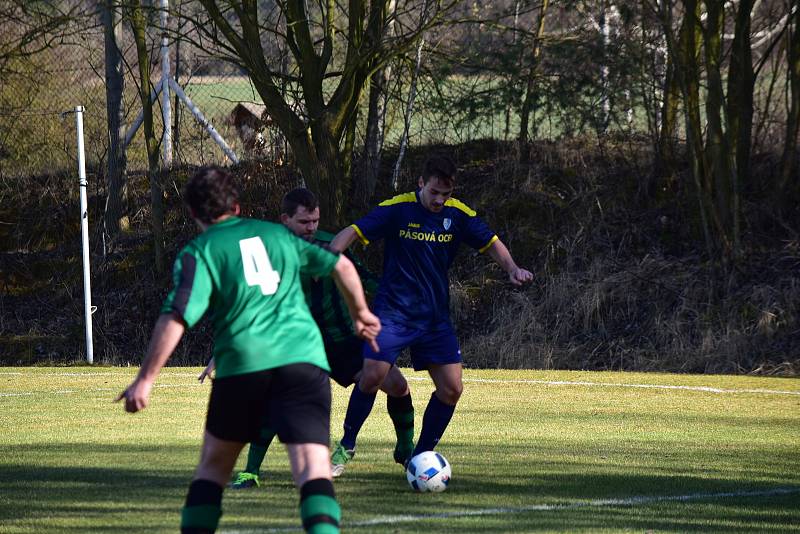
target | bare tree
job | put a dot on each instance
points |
(789, 157)
(115, 115)
(335, 48)
(138, 22)
(530, 85)
(27, 28)
(376, 119)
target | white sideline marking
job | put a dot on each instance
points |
(164, 372)
(706, 389)
(116, 390)
(630, 501)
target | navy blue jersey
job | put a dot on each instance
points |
(419, 249)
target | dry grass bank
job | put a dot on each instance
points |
(621, 278)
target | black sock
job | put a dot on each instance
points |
(318, 507)
(401, 410)
(203, 508)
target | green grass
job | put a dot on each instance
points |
(72, 461)
(217, 96)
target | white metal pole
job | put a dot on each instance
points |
(203, 121)
(87, 285)
(166, 111)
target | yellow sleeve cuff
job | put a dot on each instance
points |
(360, 235)
(485, 247)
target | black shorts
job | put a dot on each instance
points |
(345, 358)
(293, 400)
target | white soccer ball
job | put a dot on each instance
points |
(428, 471)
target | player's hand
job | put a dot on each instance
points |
(207, 371)
(368, 326)
(136, 396)
(520, 276)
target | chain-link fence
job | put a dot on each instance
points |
(37, 88)
(36, 138)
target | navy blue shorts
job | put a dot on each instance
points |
(434, 345)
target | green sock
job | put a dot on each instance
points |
(257, 451)
(318, 507)
(203, 508)
(401, 410)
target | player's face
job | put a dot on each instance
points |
(434, 194)
(303, 223)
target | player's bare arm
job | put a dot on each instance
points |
(166, 335)
(366, 324)
(343, 239)
(500, 254)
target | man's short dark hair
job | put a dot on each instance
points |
(211, 192)
(298, 197)
(441, 167)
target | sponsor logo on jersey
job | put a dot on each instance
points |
(431, 237)
(414, 225)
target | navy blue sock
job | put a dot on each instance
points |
(357, 412)
(434, 423)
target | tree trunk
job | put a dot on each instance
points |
(665, 155)
(684, 51)
(176, 106)
(373, 140)
(319, 159)
(530, 86)
(412, 93)
(718, 150)
(347, 149)
(789, 159)
(741, 83)
(376, 116)
(139, 28)
(115, 117)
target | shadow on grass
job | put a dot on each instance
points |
(70, 487)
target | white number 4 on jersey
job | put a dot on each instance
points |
(258, 269)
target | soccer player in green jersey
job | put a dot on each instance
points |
(271, 363)
(300, 214)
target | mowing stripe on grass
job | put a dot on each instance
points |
(629, 501)
(92, 390)
(164, 372)
(705, 389)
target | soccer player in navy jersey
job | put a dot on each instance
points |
(422, 231)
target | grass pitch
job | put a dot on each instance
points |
(531, 452)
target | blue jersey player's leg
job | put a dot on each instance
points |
(437, 351)
(441, 406)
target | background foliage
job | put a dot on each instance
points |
(655, 245)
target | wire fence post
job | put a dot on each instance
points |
(87, 285)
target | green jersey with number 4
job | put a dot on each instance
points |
(247, 272)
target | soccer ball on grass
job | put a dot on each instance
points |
(428, 471)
